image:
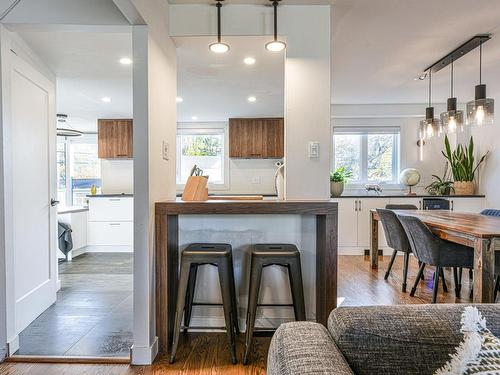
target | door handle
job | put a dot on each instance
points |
(54, 202)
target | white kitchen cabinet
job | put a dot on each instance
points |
(348, 222)
(111, 209)
(110, 227)
(474, 205)
(417, 202)
(364, 218)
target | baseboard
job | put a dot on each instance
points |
(3, 353)
(108, 249)
(13, 345)
(77, 252)
(144, 355)
(58, 285)
(359, 250)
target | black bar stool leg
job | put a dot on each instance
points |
(190, 295)
(406, 260)
(253, 300)
(391, 262)
(295, 277)
(181, 295)
(225, 281)
(436, 284)
(457, 283)
(417, 280)
(441, 273)
(234, 300)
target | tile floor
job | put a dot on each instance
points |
(93, 314)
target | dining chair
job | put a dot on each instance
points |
(494, 212)
(396, 238)
(433, 251)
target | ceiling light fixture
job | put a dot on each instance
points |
(275, 45)
(249, 60)
(65, 130)
(194, 118)
(179, 99)
(481, 110)
(430, 126)
(106, 99)
(219, 47)
(252, 99)
(452, 120)
(125, 61)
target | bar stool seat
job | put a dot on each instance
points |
(199, 254)
(264, 255)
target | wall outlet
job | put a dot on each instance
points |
(256, 180)
(165, 150)
(313, 150)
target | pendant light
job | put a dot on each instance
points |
(275, 45)
(62, 130)
(430, 126)
(452, 120)
(219, 46)
(481, 110)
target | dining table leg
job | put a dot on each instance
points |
(484, 269)
(373, 240)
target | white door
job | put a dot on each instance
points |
(33, 185)
(348, 222)
(472, 205)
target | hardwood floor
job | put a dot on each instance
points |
(207, 354)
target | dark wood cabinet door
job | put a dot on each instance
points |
(115, 138)
(256, 138)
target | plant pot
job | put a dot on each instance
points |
(464, 187)
(336, 188)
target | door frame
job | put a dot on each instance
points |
(16, 55)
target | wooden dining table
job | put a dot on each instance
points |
(480, 232)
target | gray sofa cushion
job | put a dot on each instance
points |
(401, 340)
(304, 348)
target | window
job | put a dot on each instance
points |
(372, 154)
(204, 148)
(78, 156)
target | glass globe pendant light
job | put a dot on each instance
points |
(481, 110)
(431, 126)
(275, 45)
(219, 46)
(452, 120)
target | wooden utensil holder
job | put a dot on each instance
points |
(195, 189)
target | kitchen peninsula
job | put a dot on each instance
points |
(167, 248)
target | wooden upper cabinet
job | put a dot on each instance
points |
(115, 139)
(256, 138)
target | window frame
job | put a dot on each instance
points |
(364, 131)
(202, 129)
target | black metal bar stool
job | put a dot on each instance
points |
(265, 255)
(220, 256)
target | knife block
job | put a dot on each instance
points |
(195, 189)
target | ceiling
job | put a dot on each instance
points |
(88, 69)
(216, 87)
(380, 46)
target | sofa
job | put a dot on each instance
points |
(389, 340)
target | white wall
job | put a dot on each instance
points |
(154, 85)
(246, 176)
(117, 176)
(307, 79)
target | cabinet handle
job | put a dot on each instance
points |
(360, 206)
(420, 205)
(356, 205)
(122, 155)
(452, 205)
(114, 199)
(256, 154)
(114, 224)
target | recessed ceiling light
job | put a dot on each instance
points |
(194, 118)
(126, 61)
(179, 99)
(106, 99)
(252, 99)
(249, 60)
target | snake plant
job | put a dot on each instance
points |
(461, 160)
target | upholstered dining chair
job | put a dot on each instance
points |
(494, 212)
(433, 251)
(396, 238)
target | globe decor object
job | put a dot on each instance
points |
(409, 177)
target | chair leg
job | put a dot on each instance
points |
(227, 303)
(436, 284)
(423, 276)
(297, 289)
(391, 262)
(233, 298)
(417, 280)
(190, 295)
(441, 273)
(460, 270)
(181, 300)
(457, 283)
(405, 270)
(253, 300)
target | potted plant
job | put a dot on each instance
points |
(441, 185)
(462, 166)
(338, 179)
